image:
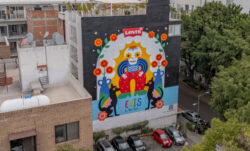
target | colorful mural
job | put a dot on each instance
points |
(130, 73)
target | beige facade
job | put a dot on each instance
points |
(67, 106)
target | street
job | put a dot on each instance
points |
(188, 96)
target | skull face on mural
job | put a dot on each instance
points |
(132, 54)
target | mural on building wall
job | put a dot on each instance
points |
(130, 73)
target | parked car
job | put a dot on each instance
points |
(191, 116)
(161, 137)
(120, 144)
(175, 136)
(104, 145)
(136, 143)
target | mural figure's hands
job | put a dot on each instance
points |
(140, 74)
(124, 76)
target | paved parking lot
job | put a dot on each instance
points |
(152, 145)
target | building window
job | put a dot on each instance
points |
(73, 34)
(174, 30)
(15, 12)
(3, 30)
(66, 132)
(2, 12)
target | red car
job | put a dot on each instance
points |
(161, 137)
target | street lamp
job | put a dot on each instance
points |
(198, 102)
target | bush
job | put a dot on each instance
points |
(118, 130)
(98, 135)
(68, 147)
(146, 130)
(132, 127)
(190, 126)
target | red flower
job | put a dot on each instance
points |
(151, 34)
(104, 63)
(113, 37)
(109, 70)
(97, 71)
(164, 37)
(159, 57)
(154, 64)
(159, 104)
(102, 115)
(164, 63)
(98, 42)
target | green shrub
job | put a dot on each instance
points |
(118, 130)
(190, 126)
(98, 135)
(146, 130)
(136, 126)
(68, 147)
(133, 127)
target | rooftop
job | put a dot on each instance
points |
(22, 2)
(58, 94)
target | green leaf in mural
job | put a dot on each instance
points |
(161, 50)
(163, 45)
(98, 51)
(156, 42)
(157, 36)
(106, 40)
(101, 56)
(107, 46)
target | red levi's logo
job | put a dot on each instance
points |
(132, 32)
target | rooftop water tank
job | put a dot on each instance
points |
(20, 103)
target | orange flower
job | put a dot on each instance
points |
(159, 104)
(164, 63)
(102, 115)
(97, 71)
(154, 64)
(164, 37)
(109, 70)
(159, 57)
(151, 34)
(113, 37)
(98, 42)
(104, 63)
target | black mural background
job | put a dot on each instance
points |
(157, 20)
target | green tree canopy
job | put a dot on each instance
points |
(212, 36)
(231, 87)
(231, 136)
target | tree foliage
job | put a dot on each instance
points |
(231, 89)
(212, 36)
(231, 136)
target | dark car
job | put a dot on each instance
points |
(104, 145)
(175, 136)
(161, 137)
(120, 144)
(136, 143)
(191, 116)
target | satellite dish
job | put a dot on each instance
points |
(30, 38)
(46, 35)
(59, 39)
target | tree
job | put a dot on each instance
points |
(212, 36)
(68, 147)
(231, 136)
(231, 87)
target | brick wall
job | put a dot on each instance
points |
(43, 120)
(40, 21)
(4, 52)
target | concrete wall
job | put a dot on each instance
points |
(44, 119)
(57, 62)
